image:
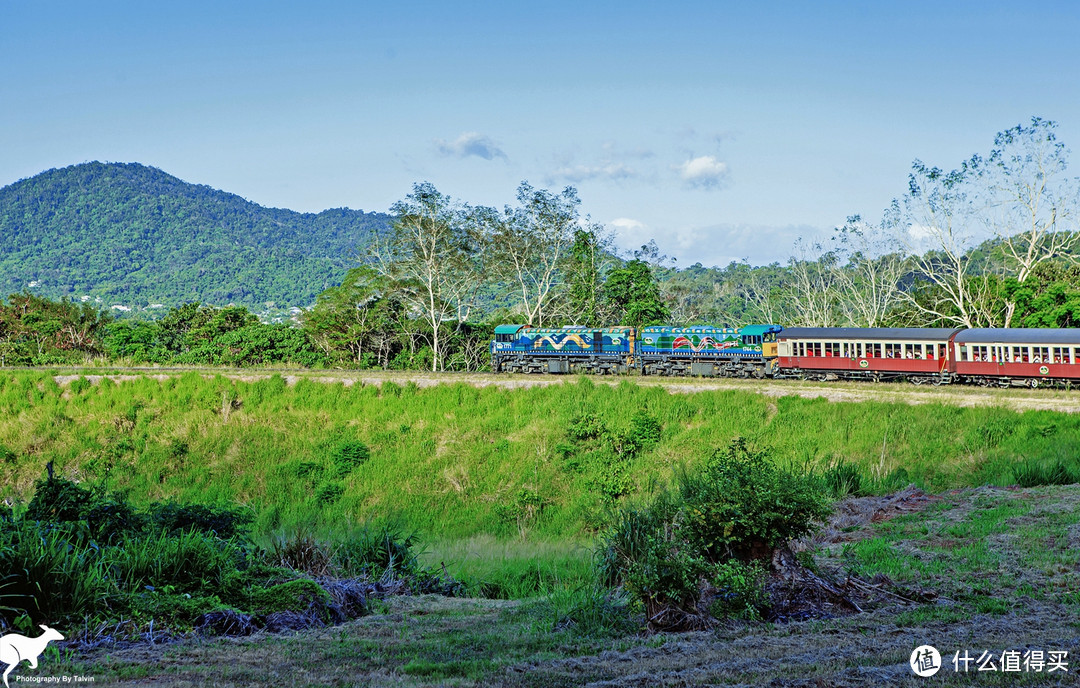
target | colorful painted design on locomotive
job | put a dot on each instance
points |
(563, 340)
(752, 341)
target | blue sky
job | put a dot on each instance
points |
(723, 130)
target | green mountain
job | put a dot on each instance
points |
(132, 235)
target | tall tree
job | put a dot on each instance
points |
(532, 243)
(428, 252)
(635, 294)
(813, 292)
(588, 261)
(936, 221)
(868, 273)
(1031, 205)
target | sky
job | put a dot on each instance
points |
(723, 130)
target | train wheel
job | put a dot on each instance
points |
(1034, 382)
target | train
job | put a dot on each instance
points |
(1000, 357)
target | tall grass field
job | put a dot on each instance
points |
(486, 466)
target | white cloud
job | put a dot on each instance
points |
(704, 172)
(469, 144)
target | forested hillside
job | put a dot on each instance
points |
(134, 235)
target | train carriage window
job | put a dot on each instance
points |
(892, 351)
(878, 351)
(931, 351)
(909, 351)
(962, 352)
(829, 350)
(1040, 354)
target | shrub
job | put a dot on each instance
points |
(585, 427)
(740, 590)
(222, 521)
(743, 506)
(58, 500)
(348, 455)
(718, 526)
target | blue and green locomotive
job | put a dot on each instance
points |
(701, 350)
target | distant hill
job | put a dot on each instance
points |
(133, 235)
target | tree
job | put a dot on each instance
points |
(936, 223)
(1050, 297)
(532, 242)
(360, 318)
(428, 254)
(1031, 205)
(633, 291)
(868, 273)
(589, 259)
(813, 291)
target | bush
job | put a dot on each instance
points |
(718, 526)
(743, 506)
(224, 522)
(349, 455)
(58, 500)
(740, 590)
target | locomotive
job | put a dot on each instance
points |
(1014, 357)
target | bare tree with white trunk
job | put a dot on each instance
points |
(430, 254)
(1030, 205)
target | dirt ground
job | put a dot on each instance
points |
(974, 571)
(1067, 401)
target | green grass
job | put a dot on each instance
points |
(455, 461)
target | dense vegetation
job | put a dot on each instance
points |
(181, 496)
(87, 556)
(133, 235)
(454, 461)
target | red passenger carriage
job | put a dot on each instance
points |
(1017, 356)
(877, 353)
